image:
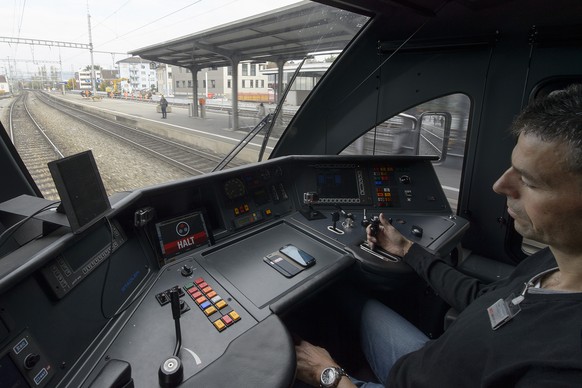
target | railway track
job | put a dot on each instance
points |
(35, 148)
(191, 160)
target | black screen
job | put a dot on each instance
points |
(81, 189)
(340, 183)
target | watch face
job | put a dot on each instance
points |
(328, 376)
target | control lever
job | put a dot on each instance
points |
(335, 216)
(308, 211)
(365, 221)
(171, 371)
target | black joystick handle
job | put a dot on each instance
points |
(171, 372)
(335, 216)
(374, 226)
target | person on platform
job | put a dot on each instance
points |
(163, 106)
(521, 331)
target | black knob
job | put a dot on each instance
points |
(171, 372)
(416, 231)
(186, 271)
(31, 360)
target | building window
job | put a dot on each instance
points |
(245, 69)
(253, 69)
(252, 83)
(212, 84)
(204, 83)
(243, 84)
(229, 70)
(183, 83)
(189, 83)
(262, 83)
(229, 84)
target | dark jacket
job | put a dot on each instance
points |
(540, 347)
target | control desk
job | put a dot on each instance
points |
(190, 275)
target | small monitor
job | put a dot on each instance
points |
(83, 196)
(182, 234)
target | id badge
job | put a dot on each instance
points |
(502, 312)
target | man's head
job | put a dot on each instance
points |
(556, 118)
(544, 183)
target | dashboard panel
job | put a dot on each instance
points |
(214, 242)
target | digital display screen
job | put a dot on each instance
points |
(10, 376)
(338, 183)
(182, 234)
(81, 189)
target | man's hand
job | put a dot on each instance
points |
(311, 361)
(388, 238)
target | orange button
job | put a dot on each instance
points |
(220, 326)
(201, 300)
(211, 294)
(234, 315)
(206, 290)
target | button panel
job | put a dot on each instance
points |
(216, 309)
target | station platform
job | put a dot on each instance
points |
(213, 133)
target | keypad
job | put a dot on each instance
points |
(216, 309)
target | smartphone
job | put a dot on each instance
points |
(302, 258)
(281, 265)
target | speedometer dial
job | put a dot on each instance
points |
(234, 188)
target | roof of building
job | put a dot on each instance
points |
(3, 78)
(290, 32)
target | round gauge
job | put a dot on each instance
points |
(234, 188)
(265, 174)
(277, 171)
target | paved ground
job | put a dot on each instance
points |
(217, 124)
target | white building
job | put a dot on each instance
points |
(217, 83)
(84, 79)
(140, 74)
(4, 86)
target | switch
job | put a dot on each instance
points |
(31, 360)
(416, 231)
(186, 271)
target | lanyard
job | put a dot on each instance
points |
(530, 283)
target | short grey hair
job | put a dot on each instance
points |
(556, 118)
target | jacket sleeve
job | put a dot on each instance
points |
(456, 288)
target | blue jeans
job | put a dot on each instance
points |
(386, 336)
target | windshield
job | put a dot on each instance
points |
(159, 94)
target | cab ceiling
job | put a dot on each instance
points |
(288, 33)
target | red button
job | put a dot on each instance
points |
(198, 281)
(226, 319)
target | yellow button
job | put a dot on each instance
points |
(210, 310)
(234, 315)
(221, 304)
(220, 326)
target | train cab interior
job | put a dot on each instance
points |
(111, 289)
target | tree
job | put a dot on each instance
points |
(72, 84)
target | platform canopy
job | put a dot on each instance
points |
(287, 33)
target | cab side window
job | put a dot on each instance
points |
(437, 127)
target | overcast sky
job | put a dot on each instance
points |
(117, 26)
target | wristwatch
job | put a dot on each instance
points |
(331, 376)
